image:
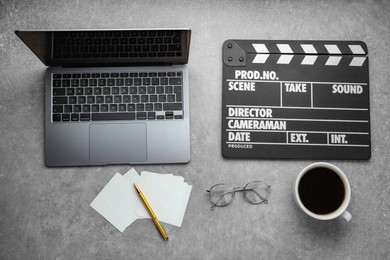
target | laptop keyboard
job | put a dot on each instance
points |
(116, 44)
(117, 96)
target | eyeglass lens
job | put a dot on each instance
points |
(221, 194)
(256, 192)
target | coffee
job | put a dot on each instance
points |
(321, 190)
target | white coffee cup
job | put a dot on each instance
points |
(341, 210)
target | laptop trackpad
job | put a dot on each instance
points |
(117, 143)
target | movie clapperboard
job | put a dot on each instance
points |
(295, 100)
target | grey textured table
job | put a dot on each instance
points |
(45, 213)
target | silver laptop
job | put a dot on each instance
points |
(114, 96)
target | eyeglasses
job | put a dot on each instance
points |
(255, 192)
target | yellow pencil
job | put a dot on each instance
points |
(154, 217)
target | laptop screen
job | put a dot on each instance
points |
(109, 47)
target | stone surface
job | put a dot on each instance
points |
(45, 213)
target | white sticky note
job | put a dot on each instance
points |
(167, 195)
(114, 203)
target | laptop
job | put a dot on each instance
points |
(114, 96)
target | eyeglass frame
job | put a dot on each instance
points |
(239, 189)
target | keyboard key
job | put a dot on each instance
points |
(124, 90)
(65, 117)
(112, 116)
(168, 115)
(126, 99)
(58, 91)
(157, 107)
(70, 91)
(88, 91)
(122, 107)
(162, 98)
(153, 98)
(160, 90)
(97, 91)
(106, 91)
(57, 83)
(117, 99)
(168, 89)
(75, 82)
(113, 107)
(137, 81)
(81, 100)
(133, 90)
(151, 115)
(93, 82)
(171, 98)
(151, 90)
(119, 82)
(102, 82)
(128, 82)
(74, 117)
(104, 108)
(66, 83)
(149, 107)
(57, 76)
(68, 108)
(91, 99)
(164, 81)
(99, 99)
(115, 90)
(175, 81)
(131, 107)
(124, 75)
(72, 100)
(85, 117)
(172, 106)
(76, 108)
(160, 117)
(111, 82)
(178, 117)
(60, 100)
(84, 83)
(79, 91)
(178, 92)
(146, 81)
(56, 117)
(144, 98)
(135, 98)
(141, 115)
(95, 108)
(108, 99)
(140, 107)
(58, 109)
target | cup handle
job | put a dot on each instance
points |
(347, 216)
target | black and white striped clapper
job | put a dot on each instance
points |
(295, 100)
